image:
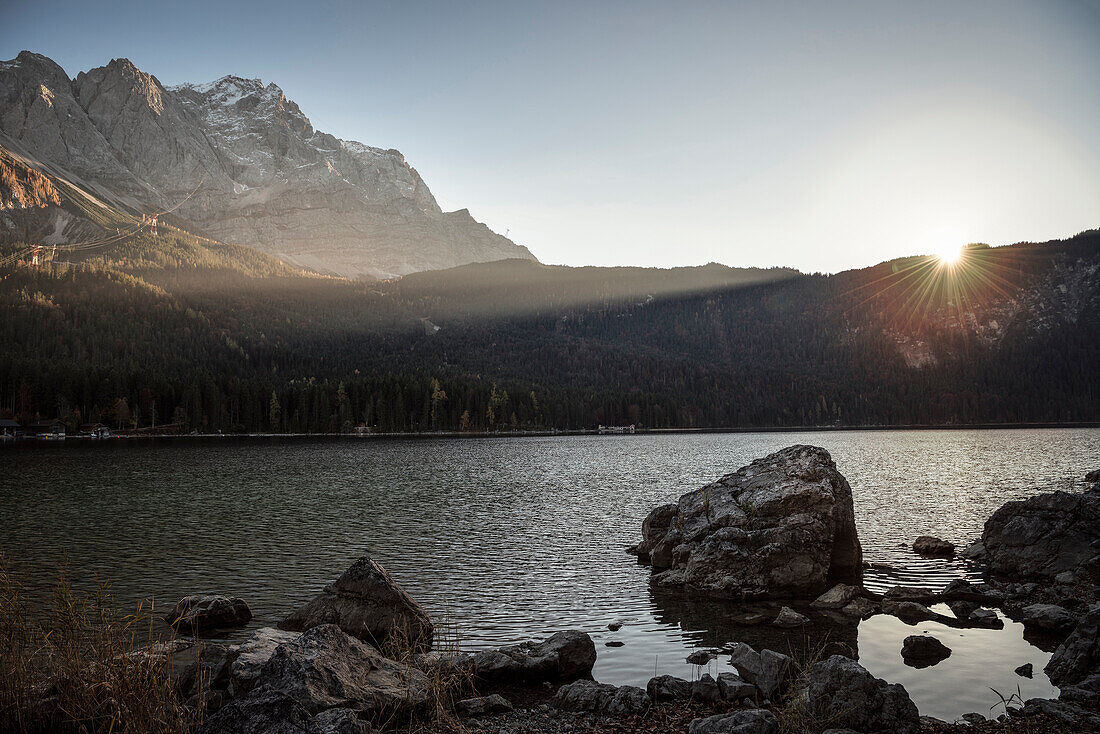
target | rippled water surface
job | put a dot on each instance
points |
(510, 538)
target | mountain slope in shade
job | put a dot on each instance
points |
(245, 162)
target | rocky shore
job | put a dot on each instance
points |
(774, 545)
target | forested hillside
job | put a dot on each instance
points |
(180, 330)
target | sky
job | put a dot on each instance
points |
(821, 136)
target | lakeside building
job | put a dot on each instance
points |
(9, 429)
(46, 430)
(615, 429)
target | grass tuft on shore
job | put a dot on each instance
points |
(82, 667)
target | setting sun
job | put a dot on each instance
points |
(949, 253)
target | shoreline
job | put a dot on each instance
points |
(152, 437)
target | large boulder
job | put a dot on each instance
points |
(601, 698)
(204, 612)
(1043, 536)
(366, 603)
(325, 668)
(781, 527)
(1079, 656)
(843, 692)
(564, 656)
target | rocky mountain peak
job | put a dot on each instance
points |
(243, 163)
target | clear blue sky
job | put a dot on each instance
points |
(817, 135)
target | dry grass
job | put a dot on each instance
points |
(450, 679)
(82, 667)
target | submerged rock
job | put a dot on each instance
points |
(602, 698)
(366, 603)
(751, 721)
(928, 545)
(1025, 671)
(781, 527)
(842, 691)
(923, 651)
(203, 612)
(564, 656)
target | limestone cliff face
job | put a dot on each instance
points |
(256, 170)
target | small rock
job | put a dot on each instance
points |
(973, 718)
(927, 545)
(837, 597)
(1048, 618)
(962, 609)
(752, 721)
(789, 618)
(616, 625)
(985, 618)
(473, 707)
(1093, 476)
(602, 698)
(700, 657)
(767, 670)
(670, 688)
(614, 643)
(706, 690)
(202, 612)
(923, 651)
(1025, 671)
(733, 688)
(861, 607)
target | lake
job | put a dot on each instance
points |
(505, 539)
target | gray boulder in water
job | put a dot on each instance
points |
(203, 612)
(366, 603)
(842, 691)
(564, 656)
(781, 527)
(1043, 536)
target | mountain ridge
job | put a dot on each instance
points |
(245, 162)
